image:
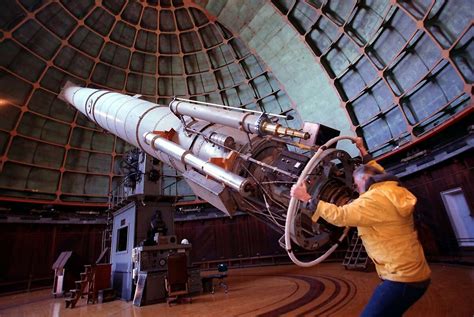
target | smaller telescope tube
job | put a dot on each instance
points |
(232, 180)
(234, 108)
(251, 123)
(243, 121)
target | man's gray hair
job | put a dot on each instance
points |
(366, 169)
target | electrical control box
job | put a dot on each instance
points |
(290, 162)
(143, 175)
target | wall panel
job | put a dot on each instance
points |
(29, 250)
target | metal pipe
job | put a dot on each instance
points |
(244, 121)
(233, 108)
(232, 180)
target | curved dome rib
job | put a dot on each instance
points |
(50, 153)
(400, 68)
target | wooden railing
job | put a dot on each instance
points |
(262, 260)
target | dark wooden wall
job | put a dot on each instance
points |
(27, 251)
(432, 220)
(222, 238)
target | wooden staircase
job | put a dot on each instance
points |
(83, 287)
(96, 277)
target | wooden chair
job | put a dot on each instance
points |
(176, 281)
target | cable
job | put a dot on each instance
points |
(270, 213)
(294, 205)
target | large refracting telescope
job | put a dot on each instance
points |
(236, 159)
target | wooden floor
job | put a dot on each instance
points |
(324, 290)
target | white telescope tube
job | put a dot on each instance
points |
(124, 116)
(133, 120)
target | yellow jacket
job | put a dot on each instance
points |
(384, 220)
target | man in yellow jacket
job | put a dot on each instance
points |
(384, 220)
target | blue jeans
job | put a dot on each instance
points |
(393, 298)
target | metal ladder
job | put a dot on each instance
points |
(107, 236)
(356, 257)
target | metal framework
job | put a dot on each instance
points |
(403, 69)
(51, 153)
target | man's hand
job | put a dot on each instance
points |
(300, 192)
(359, 142)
